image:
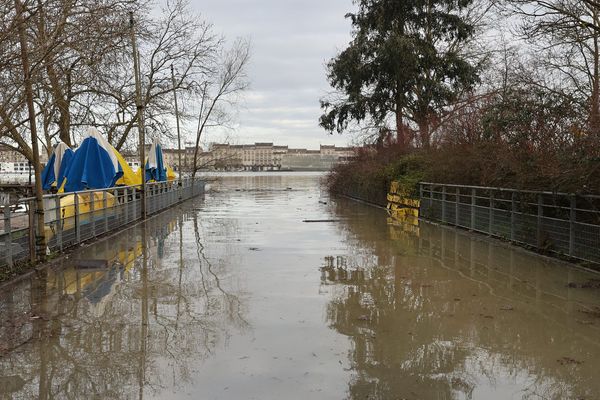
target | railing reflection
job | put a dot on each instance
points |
(121, 319)
(438, 313)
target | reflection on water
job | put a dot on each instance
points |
(234, 297)
(435, 313)
(117, 321)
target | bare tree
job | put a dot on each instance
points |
(40, 239)
(565, 35)
(177, 38)
(220, 91)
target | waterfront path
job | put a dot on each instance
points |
(233, 296)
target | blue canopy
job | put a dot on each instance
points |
(54, 171)
(155, 166)
(94, 165)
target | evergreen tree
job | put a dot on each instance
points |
(404, 60)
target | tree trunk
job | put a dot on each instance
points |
(424, 132)
(62, 103)
(401, 131)
(40, 239)
(595, 97)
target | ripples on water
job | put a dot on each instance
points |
(234, 297)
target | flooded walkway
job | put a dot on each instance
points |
(235, 297)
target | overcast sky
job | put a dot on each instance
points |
(291, 42)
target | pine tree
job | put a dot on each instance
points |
(405, 61)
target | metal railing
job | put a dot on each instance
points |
(73, 218)
(562, 223)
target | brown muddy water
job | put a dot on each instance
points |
(234, 297)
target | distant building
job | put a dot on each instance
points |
(270, 157)
(252, 157)
(14, 163)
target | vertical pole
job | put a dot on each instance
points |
(92, 216)
(457, 207)
(126, 205)
(491, 219)
(38, 235)
(77, 219)
(150, 199)
(59, 223)
(572, 221)
(540, 215)
(8, 236)
(133, 200)
(473, 204)
(513, 216)
(443, 203)
(105, 205)
(115, 209)
(430, 199)
(420, 200)
(179, 170)
(32, 230)
(140, 112)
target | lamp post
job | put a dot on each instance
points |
(139, 113)
(178, 131)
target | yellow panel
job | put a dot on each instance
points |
(129, 178)
(170, 174)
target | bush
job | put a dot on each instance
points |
(524, 139)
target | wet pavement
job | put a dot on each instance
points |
(235, 297)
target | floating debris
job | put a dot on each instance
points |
(595, 312)
(590, 284)
(568, 361)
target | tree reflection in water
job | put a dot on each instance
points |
(136, 323)
(434, 313)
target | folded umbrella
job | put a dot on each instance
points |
(54, 172)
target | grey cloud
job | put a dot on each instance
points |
(291, 42)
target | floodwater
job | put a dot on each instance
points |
(234, 297)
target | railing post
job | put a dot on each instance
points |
(457, 207)
(92, 199)
(126, 204)
(443, 203)
(513, 216)
(491, 213)
(77, 219)
(59, 223)
(179, 188)
(430, 198)
(572, 221)
(473, 203)
(160, 196)
(150, 199)
(32, 231)
(8, 236)
(116, 209)
(134, 203)
(420, 198)
(540, 215)
(105, 205)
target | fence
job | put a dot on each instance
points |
(73, 218)
(565, 224)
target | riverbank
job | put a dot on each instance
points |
(563, 224)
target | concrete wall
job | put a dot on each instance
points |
(308, 162)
